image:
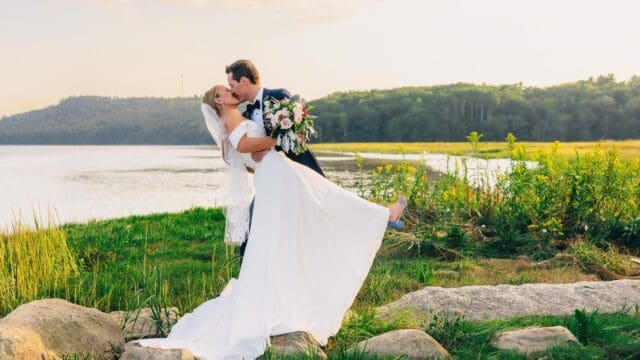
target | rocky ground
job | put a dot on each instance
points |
(54, 328)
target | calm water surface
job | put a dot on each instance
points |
(80, 183)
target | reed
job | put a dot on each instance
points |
(34, 263)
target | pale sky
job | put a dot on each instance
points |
(52, 49)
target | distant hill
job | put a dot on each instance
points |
(101, 120)
(593, 109)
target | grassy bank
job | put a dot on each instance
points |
(629, 149)
(180, 260)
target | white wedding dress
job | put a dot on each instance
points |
(310, 248)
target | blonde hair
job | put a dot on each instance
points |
(212, 94)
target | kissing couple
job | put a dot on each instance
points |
(306, 249)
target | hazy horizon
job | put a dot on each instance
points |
(167, 48)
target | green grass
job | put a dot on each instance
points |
(136, 259)
(122, 264)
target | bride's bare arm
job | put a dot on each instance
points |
(247, 144)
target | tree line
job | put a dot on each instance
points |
(592, 109)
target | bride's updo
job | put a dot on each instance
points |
(211, 95)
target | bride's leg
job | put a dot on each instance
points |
(395, 211)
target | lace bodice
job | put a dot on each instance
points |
(252, 130)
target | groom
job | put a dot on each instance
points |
(244, 81)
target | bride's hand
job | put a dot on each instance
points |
(258, 155)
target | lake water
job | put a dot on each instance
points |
(80, 183)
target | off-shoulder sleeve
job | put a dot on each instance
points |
(237, 134)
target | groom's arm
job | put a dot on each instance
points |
(280, 94)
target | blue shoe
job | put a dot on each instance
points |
(396, 225)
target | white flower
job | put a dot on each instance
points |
(276, 118)
(297, 113)
(285, 123)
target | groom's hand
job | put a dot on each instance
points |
(258, 155)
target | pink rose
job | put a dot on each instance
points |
(275, 118)
(285, 123)
(297, 113)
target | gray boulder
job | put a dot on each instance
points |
(295, 343)
(533, 340)
(411, 343)
(52, 328)
(134, 351)
(506, 301)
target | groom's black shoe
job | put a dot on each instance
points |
(244, 244)
(242, 247)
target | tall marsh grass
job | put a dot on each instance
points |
(595, 197)
(34, 263)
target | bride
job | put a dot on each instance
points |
(310, 248)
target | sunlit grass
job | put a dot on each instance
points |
(34, 263)
(629, 149)
(119, 264)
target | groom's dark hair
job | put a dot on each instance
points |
(244, 68)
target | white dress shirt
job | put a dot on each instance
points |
(256, 116)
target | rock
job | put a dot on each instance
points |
(635, 260)
(134, 351)
(22, 344)
(141, 324)
(51, 328)
(506, 301)
(414, 344)
(533, 340)
(295, 343)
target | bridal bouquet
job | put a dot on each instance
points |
(290, 123)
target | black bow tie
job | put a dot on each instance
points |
(254, 106)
